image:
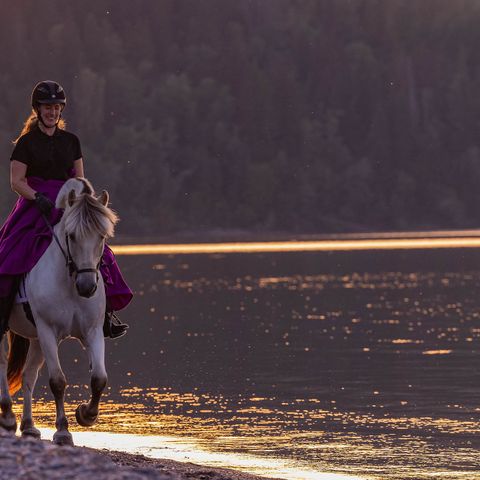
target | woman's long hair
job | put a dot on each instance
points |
(32, 121)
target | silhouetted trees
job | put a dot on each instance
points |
(306, 116)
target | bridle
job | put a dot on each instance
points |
(69, 261)
(71, 265)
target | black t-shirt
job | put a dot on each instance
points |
(48, 157)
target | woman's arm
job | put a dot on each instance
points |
(78, 166)
(18, 182)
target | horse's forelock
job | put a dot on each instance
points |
(88, 215)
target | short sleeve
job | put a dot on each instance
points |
(20, 152)
(77, 149)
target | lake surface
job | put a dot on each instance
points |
(362, 364)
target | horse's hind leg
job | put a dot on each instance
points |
(30, 374)
(87, 413)
(57, 382)
(7, 417)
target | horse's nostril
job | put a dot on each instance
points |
(86, 290)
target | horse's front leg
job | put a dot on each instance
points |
(7, 417)
(87, 413)
(58, 383)
(30, 374)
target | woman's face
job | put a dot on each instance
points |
(50, 114)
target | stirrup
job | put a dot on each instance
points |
(113, 327)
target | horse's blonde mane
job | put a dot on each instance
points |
(86, 214)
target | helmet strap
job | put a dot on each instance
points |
(40, 119)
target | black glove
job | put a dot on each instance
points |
(43, 203)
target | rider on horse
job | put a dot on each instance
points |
(44, 157)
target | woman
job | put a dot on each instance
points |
(44, 157)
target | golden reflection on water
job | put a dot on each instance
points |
(437, 352)
(299, 246)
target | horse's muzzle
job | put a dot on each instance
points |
(86, 285)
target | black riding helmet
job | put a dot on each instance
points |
(48, 92)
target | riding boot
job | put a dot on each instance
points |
(113, 327)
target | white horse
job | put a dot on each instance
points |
(67, 298)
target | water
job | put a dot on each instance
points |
(361, 364)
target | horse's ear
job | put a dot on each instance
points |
(71, 197)
(103, 198)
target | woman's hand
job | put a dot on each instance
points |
(43, 203)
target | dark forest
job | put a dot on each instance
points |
(264, 116)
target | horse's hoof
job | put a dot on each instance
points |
(63, 438)
(83, 417)
(31, 432)
(8, 422)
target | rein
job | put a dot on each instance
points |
(70, 262)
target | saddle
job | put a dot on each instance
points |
(21, 298)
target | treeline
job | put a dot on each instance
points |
(307, 116)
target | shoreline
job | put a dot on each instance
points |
(23, 458)
(180, 470)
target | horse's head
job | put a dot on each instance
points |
(87, 223)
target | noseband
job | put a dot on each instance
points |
(71, 265)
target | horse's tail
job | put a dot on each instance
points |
(17, 355)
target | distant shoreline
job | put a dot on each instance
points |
(222, 236)
(446, 239)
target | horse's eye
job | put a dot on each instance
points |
(71, 236)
